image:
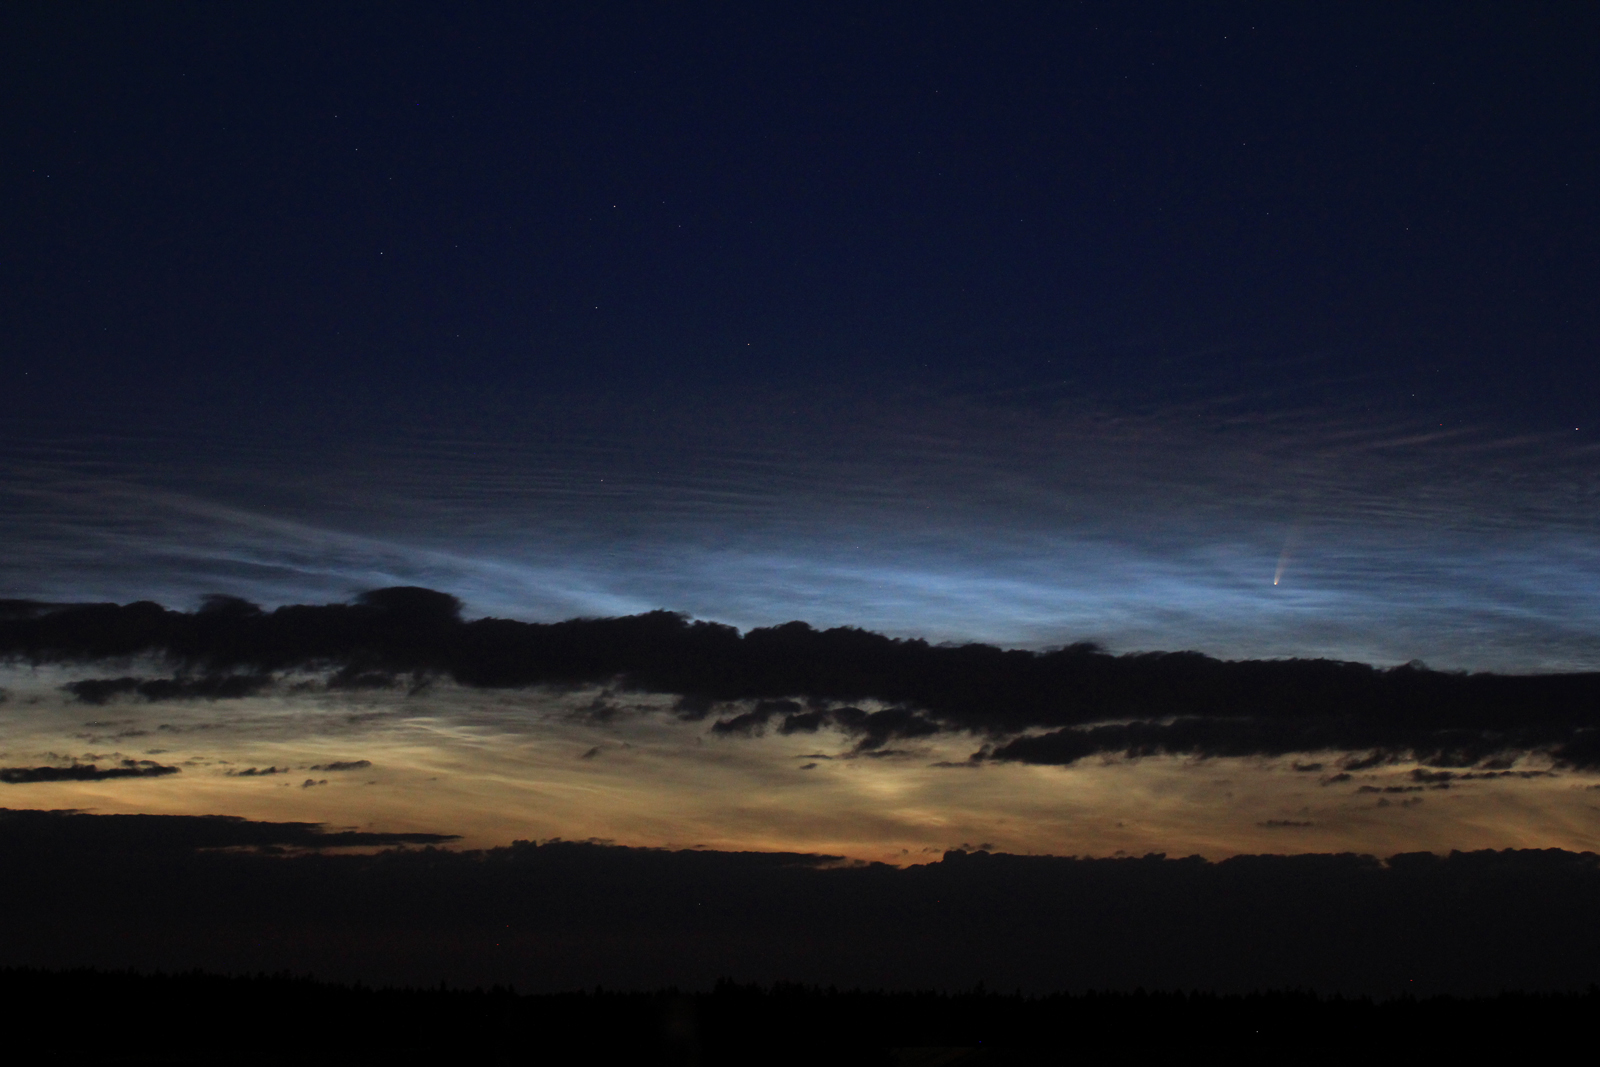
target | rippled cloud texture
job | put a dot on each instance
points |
(1236, 526)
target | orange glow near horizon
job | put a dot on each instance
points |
(497, 766)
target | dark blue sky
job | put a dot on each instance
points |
(1026, 322)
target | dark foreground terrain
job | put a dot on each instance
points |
(120, 929)
(100, 1017)
(232, 896)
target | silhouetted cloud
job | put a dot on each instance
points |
(755, 720)
(1378, 740)
(87, 772)
(797, 680)
(208, 687)
(343, 765)
(27, 609)
(874, 729)
(102, 690)
(72, 831)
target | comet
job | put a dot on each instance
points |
(1289, 543)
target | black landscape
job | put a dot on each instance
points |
(620, 955)
(236, 897)
(780, 1024)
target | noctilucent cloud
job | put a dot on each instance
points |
(1212, 527)
(1265, 331)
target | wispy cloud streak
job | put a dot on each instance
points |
(944, 518)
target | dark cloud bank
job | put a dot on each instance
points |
(178, 892)
(1052, 707)
(85, 772)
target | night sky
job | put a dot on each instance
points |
(1260, 331)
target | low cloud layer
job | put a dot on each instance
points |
(1052, 707)
(102, 691)
(87, 772)
(74, 832)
